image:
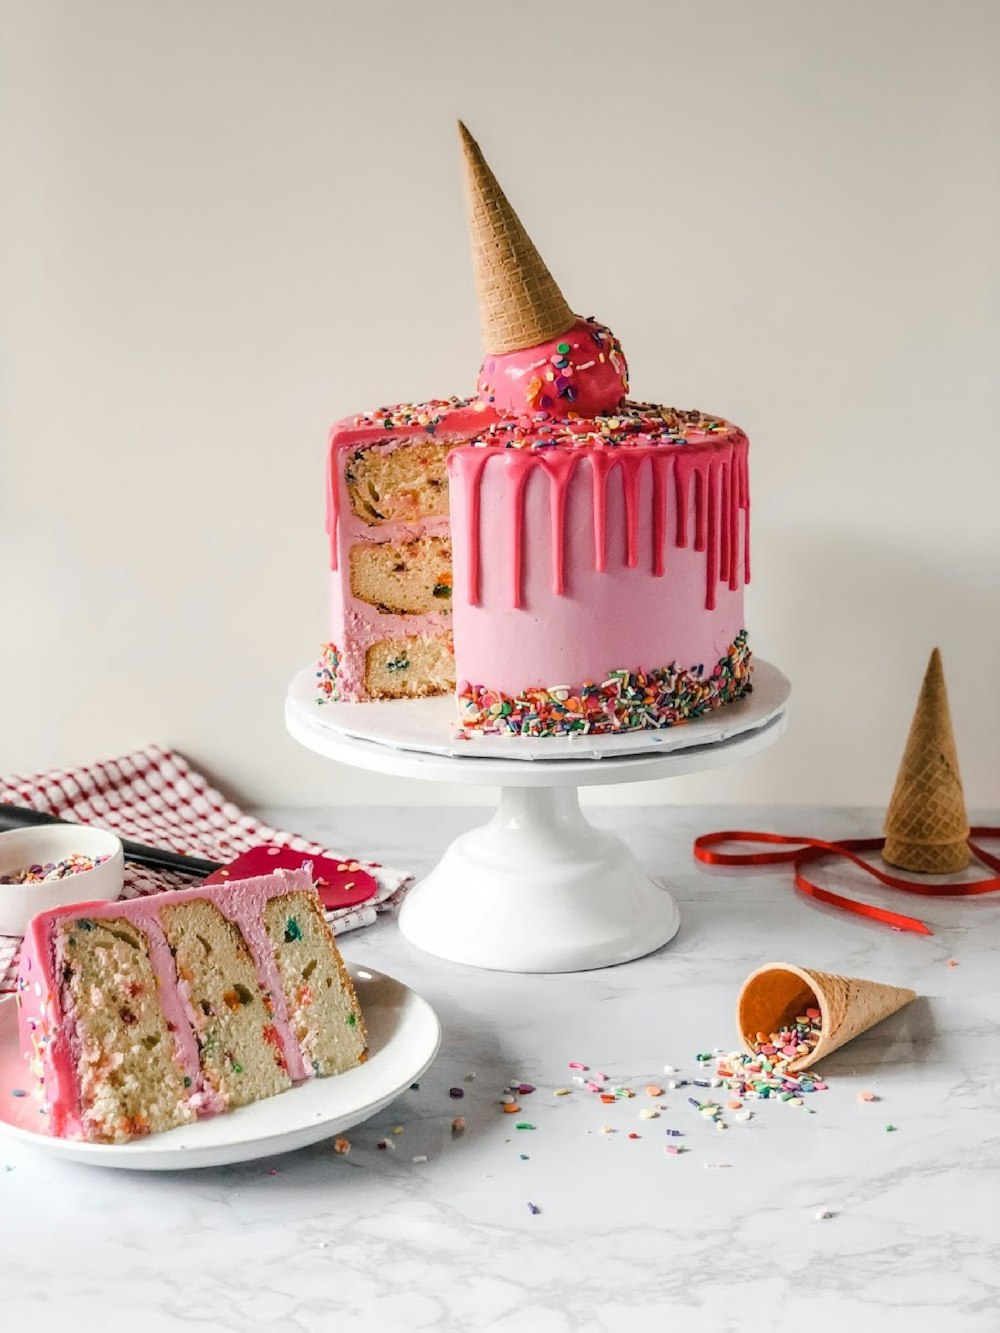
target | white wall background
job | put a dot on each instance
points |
(228, 222)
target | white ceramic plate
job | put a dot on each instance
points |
(403, 1038)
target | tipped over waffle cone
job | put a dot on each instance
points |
(519, 302)
(926, 826)
(778, 992)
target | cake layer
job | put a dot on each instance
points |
(317, 989)
(241, 1055)
(410, 667)
(360, 628)
(139, 1015)
(404, 578)
(129, 1079)
(402, 484)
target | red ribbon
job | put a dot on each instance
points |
(800, 851)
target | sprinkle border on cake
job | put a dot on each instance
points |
(625, 701)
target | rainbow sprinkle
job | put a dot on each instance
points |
(634, 424)
(326, 674)
(411, 416)
(626, 701)
(766, 1073)
(75, 864)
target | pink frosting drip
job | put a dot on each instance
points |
(581, 373)
(716, 470)
(47, 1031)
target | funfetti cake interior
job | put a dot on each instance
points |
(144, 1015)
(566, 559)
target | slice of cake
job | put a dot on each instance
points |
(140, 1016)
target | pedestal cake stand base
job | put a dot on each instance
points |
(538, 888)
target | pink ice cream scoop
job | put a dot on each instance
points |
(582, 373)
(542, 361)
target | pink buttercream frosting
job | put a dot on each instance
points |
(581, 373)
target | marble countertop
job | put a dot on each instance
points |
(726, 1233)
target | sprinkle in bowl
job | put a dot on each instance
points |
(54, 865)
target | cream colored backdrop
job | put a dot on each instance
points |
(227, 222)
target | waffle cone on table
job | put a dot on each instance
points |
(926, 825)
(778, 992)
(519, 302)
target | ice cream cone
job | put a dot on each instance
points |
(778, 992)
(519, 302)
(926, 826)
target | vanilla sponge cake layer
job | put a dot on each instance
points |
(410, 667)
(129, 1082)
(403, 578)
(318, 992)
(240, 1054)
(139, 1016)
(402, 485)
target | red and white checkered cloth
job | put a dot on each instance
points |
(153, 796)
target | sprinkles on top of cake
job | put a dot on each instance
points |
(633, 424)
(411, 416)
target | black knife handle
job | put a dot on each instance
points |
(154, 858)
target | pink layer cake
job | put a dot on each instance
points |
(144, 1015)
(563, 558)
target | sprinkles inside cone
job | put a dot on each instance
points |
(765, 1073)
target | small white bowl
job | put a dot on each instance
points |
(23, 847)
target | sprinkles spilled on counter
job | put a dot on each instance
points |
(766, 1073)
(736, 1082)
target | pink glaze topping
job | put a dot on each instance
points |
(708, 470)
(580, 373)
(47, 1031)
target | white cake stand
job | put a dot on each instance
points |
(538, 888)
